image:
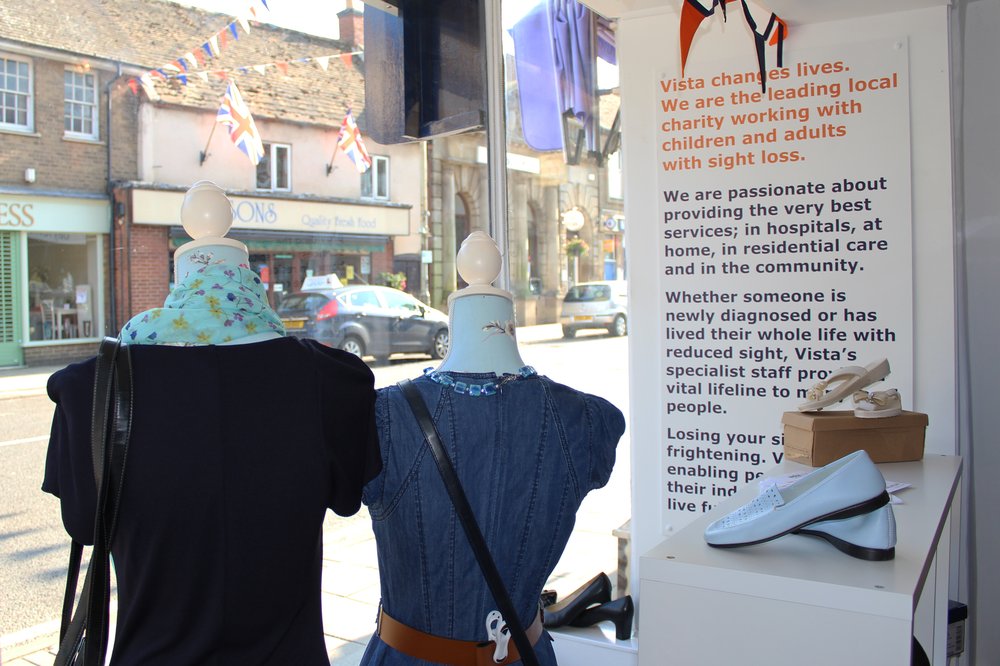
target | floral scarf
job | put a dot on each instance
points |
(216, 304)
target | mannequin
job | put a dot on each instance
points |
(527, 451)
(482, 332)
(218, 299)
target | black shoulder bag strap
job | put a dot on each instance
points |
(112, 400)
(469, 524)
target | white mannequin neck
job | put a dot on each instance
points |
(481, 317)
(196, 254)
(481, 337)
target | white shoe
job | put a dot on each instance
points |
(877, 404)
(844, 381)
(847, 487)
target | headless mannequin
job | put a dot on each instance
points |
(482, 334)
(207, 215)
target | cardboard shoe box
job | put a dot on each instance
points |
(819, 438)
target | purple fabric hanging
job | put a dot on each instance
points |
(534, 61)
(572, 29)
(555, 50)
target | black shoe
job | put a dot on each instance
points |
(619, 611)
(595, 591)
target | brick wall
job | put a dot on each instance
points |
(59, 163)
(382, 261)
(59, 354)
(144, 261)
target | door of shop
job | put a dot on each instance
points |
(10, 303)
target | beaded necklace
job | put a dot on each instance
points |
(485, 388)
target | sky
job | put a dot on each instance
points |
(320, 16)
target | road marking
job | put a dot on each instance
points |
(26, 440)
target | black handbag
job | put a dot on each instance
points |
(469, 524)
(83, 635)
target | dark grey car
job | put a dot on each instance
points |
(366, 321)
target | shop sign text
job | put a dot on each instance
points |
(16, 215)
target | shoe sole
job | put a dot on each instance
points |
(877, 414)
(853, 549)
(867, 506)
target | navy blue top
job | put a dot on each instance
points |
(526, 458)
(236, 453)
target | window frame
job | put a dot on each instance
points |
(29, 125)
(270, 158)
(94, 135)
(380, 163)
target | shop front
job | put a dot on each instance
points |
(52, 262)
(289, 239)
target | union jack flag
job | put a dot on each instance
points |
(350, 142)
(235, 114)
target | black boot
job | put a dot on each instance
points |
(595, 591)
(619, 611)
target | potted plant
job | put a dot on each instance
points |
(577, 247)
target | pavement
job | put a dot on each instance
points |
(350, 583)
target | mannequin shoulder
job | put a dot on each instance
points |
(72, 379)
(336, 360)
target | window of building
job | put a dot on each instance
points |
(375, 181)
(274, 171)
(80, 104)
(16, 107)
(62, 286)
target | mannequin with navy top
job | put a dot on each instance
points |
(229, 475)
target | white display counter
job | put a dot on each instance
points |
(797, 599)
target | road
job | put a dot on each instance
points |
(34, 548)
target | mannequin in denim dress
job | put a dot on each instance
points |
(526, 449)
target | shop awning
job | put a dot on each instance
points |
(277, 241)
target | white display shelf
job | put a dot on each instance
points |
(797, 599)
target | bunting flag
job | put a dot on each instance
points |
(212, 48)
(351, 143)
(764, 25)
(235, 115)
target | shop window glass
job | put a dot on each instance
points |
(80, 104)
(274, 171)
(16, 103)
(563, 182)
(375, 181)
(62, 286)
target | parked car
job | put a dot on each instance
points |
(366, 321)
(595, 305)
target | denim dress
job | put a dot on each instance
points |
(526, 456)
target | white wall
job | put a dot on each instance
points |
(979, 158)
(647, 48)
(169, 155)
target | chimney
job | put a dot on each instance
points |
(352, 26)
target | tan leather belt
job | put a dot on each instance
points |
(429, 647)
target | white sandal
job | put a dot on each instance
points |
(877, 404)
(845, 381)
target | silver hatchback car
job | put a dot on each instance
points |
(595, 305)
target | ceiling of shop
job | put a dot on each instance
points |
(793, 11)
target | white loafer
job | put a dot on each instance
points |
(871, 536)
(842, 383)
(850, 486)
